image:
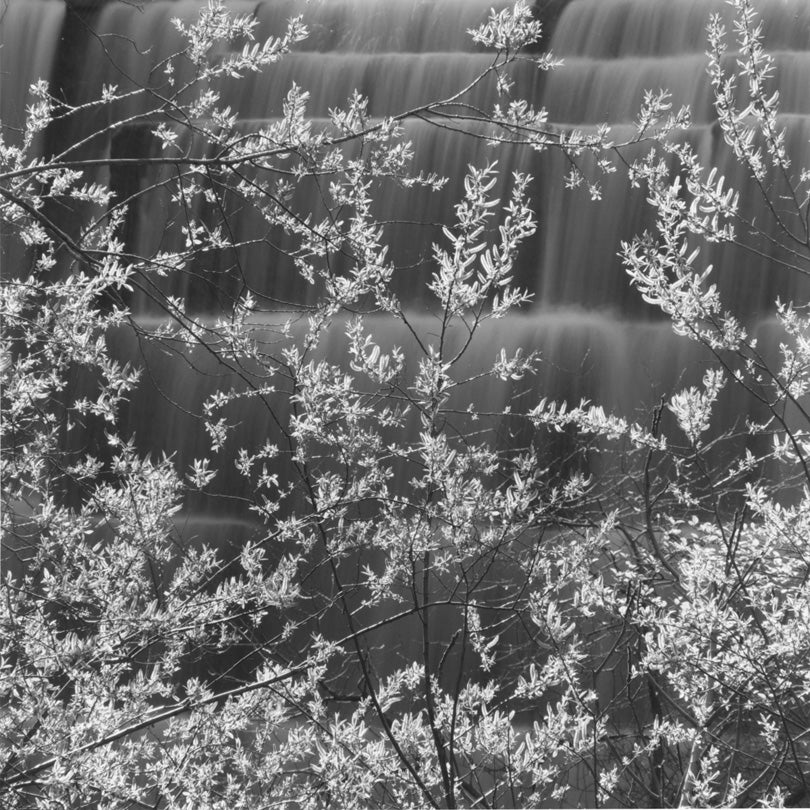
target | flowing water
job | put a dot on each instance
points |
(29, 34)
(597, 338)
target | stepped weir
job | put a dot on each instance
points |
(597, 338)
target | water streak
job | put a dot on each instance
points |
(598, 338)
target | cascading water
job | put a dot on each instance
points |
(613, 52)
(29, 34)
(28, 43)
(597, 337)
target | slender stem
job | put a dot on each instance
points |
(159, 717)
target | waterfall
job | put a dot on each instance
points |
(614, 50)
(29, 35)
(597, 338)
(28, 44)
